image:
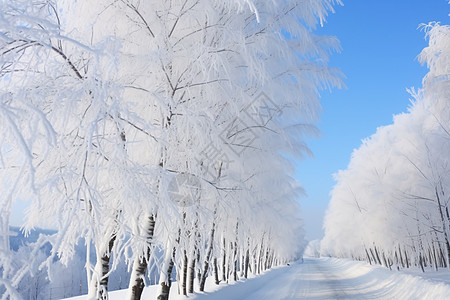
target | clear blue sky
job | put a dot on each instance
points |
(380, 42)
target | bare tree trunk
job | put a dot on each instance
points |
(230, 261)
(199, 271)
(207, 259)
(247, 263)
(447, 244)
(105, 269)
(165, 281)
(272, 254)
(421, 263)
(401, 257)
(378, 257)
(224, 259)
(185, 267)
(255, 260)
(235, 254)
(435, 258)
(368, 257)
(178, 281)
(444, 262)
(242, 267)
(190, 289)
(260, 258)
(387, 262)
(236, 263)
(100, 278)
(140, 264)
(267, 259)
(165, 286)
(193, 257)
(397, 260)
(373, 256)
(406, 260)
(216, 271)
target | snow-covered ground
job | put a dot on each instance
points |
(323, 278)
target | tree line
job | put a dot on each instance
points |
(160, 133)
(391, 205)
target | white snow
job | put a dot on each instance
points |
(323, 278)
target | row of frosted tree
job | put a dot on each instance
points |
(159, 133)
(391, 205)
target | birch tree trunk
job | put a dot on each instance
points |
(216, 272)
(235, 254)
(98, 285)
(140, 264)
(246, 264)
(184, 280)
(190, 287)
(224, 260)
(164, 279)
(207, 259)
(444, 227)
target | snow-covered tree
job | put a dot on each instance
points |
(126, 101)
(391, 204)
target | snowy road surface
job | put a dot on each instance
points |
(333, 279)
(324, 278)
(312, 279)
(316, 279)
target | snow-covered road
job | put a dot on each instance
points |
(314, 279)
(324, 278)
(333, 279)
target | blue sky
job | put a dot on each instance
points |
(380, 42)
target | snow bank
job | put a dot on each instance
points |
(377, 282)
